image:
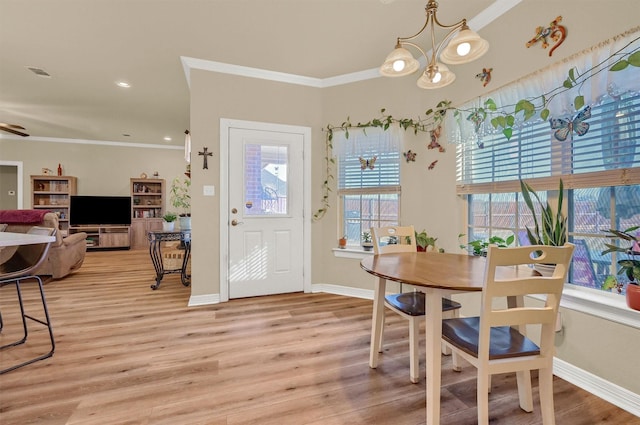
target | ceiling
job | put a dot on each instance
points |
(88, 45)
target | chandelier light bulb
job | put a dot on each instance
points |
(436, 78)
(398, 65)
(463, 49)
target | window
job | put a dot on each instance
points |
(265, 179)
(601, 170)
(368, 181)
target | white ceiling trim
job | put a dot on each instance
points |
(245, 71)
(491, 13)
(482, 19)
(90, 142)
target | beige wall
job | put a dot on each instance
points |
(428, 197)
(100, 169)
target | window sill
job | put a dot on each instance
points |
(601, 304)
(351, 252)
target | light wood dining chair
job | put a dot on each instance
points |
(410, 305)
(496, 342)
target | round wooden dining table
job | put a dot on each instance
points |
(438, 275)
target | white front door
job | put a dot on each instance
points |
(265, 212)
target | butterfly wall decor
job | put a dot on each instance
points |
(435, 135)
(367, 163)
(485, 76)
(433, 164)
(410, 156)
(564, 128)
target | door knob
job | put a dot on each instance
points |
(235, 222)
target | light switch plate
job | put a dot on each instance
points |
(208, 190)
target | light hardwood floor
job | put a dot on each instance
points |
(129, 355)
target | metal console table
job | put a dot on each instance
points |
(156, 239)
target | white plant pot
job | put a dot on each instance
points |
(168, 226)
(185, 223)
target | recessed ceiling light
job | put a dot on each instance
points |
(167, 139)
(123, 84)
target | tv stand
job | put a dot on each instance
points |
(105, 237)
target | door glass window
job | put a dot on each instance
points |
(265, 180)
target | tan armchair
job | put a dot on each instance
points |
(66, 254)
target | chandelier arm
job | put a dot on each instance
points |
(426, 24)
(459, 24)
(435, 49)
(450, 35)
(408, 43)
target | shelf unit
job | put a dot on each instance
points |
(147, 209)
(52, 193)
(105, 237)
(147, 198)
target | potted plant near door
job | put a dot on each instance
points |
(630, 266)
(181, 200)
(169, 221)
(551, 228)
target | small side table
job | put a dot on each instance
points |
(156, 239)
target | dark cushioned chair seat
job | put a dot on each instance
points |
(412, 303)
(505, 341)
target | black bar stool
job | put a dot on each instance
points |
(18, 269)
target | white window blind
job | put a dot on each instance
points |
(533, 152)
(369, 159)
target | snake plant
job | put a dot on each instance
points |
(551, 228)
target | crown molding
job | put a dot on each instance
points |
(482, 19)
(91, 142)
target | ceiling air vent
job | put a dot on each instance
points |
(39, 72)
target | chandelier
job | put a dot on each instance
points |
(464, 45)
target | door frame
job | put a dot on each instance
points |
(225, 126)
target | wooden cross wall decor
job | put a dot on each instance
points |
(205, 154)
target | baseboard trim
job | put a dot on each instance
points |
(199, 300)
(614, 394)
(342, 290)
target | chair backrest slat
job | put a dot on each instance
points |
(404, 236)
(522, 316)
(537, 286)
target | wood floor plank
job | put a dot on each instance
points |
(126, 354)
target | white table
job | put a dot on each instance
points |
(17, 239)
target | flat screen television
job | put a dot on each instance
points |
(99, 210)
